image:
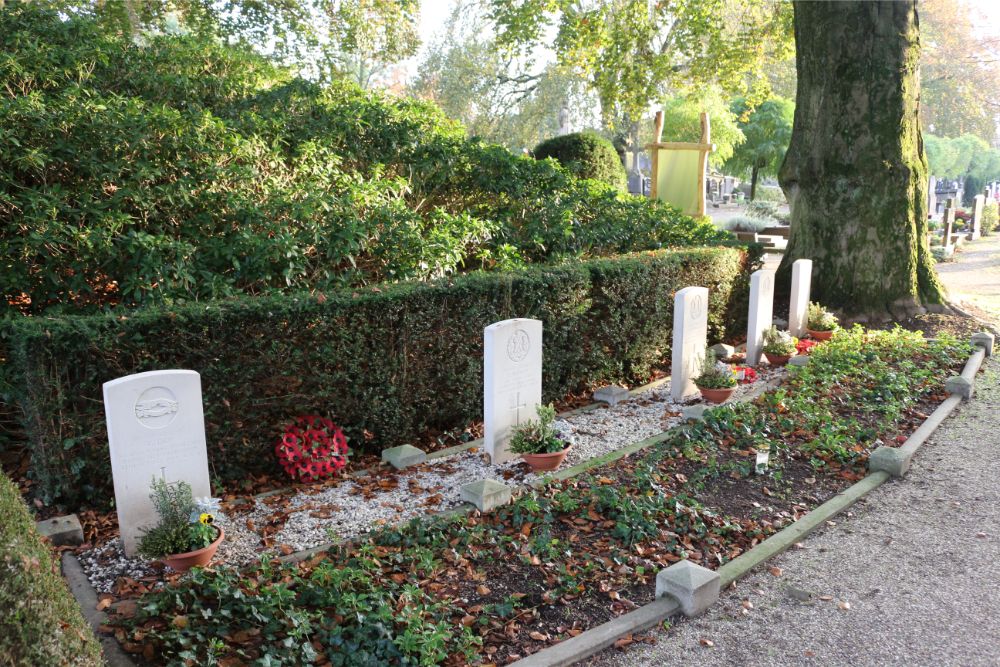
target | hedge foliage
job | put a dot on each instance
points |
(585, 155)
(386, 363)
(185, 169)
(41, 623)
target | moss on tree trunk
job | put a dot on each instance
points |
(855, 173)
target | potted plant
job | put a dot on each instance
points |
(820, 322)
(541, 444)
(779, 346)
(717, 381)
(186, 535)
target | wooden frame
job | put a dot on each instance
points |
(705, 146)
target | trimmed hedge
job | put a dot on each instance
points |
(386, 363)
(41, 623)
(585, 155)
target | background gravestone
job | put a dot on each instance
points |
(948, 222)
(690, 339)
(761, 310)
(512, 381)
(798, 305)
(156, 428)
(979, 201)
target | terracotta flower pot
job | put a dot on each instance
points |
(545, 462)
(184, 562)
(717, 395)
(777, 359)
(820, 335)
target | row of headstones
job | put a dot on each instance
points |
(948, 220)
(156, 424)
(691, 323)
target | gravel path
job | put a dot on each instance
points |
(973, 279)
(910, 577)
(313, 517)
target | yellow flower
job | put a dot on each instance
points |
(206, 518)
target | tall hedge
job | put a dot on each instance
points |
(187, 169)
(585, 155)
(41, 623)
(386, 363)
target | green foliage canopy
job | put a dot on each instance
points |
(768, 130)
(585, 155)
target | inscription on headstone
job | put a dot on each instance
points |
(689, 341)
(759, 318)
(798, 306)
(156, 429)
(512, 381)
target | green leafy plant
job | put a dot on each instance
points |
(714, 376)
(819, 318)
(779, 342)
(585, 155)
(183, 527)
(539, 436)
(746, 223)
(991, 217)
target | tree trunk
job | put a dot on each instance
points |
(753, 182)
(855, 173)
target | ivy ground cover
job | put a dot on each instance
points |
(489, 589)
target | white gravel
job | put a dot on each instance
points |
(289, 522)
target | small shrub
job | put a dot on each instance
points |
(744, 223)
(714, 375)
(942, 253)
(763, 210)
(770, 193)
(819, 318)
(185, 524)
(779, 342)
(585, 155)
(991, 217)
(541, 436)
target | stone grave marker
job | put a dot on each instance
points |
(979, 201)
(690, 339)
(759, 318)
(156, 429)
(798, 305)
(512, 381)
(947, 222)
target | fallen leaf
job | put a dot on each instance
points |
(180, 622)
(538, 636)
(104, 603)
(844, 605)
(825, 598)
(776, 571)
(706, 642)
(482, 590)
(747, 604)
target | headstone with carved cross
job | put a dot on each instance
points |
(512, 381)
(156, 429)
(690, 339)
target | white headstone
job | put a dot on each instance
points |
(690, 339)
(512, 381)
(759, 317)
(798, 305)
(156, 429)
(979, 201)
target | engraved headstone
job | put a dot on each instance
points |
(156, 429)
(690, 339)
(761, 310)
(798, 305)
(512, 381)
(977, 216)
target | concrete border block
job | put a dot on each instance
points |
(62, 530)
(486, 494)
(403, 456)
(723, 351)
(984, 340)
(694, 412)
(696, 588)
(892, 460)
(959, 386)
(612, 394)
(799, 360)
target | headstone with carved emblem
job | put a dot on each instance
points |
(512, 381)
(690, 340)
(761, 313)
(156, 429)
